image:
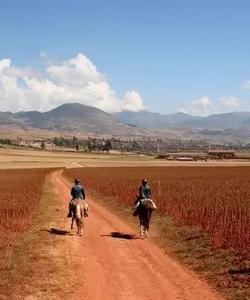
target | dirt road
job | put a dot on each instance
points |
(118, 266)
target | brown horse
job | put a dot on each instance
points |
(144, 212)
(77, 214)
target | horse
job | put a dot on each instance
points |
(77, 214)
(144, 211)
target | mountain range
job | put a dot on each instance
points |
(79, 118)
(145, 119)
(70, 117)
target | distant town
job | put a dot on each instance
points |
(171, 149)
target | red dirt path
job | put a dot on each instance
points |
(119, 268)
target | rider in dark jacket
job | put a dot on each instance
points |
(144, 190)
(144, 195)
(77, 192)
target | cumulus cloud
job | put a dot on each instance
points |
(230, 102)
(205, 106)
(201, 106)
(74, 80)
(78, 71)
(132, 101)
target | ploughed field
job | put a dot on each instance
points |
(20, 196)
(215, 199)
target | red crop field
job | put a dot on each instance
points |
(215, 199)
(20, 196)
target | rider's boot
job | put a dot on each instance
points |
(86, 209)
(70, 211)
(86, 212)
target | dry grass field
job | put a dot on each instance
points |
(16, 158)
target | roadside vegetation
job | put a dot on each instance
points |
(35, 261)
(20, 196)
(203, 215)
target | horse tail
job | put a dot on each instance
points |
(78, 211)
(79, 223)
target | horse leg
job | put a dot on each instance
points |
(141, 224)
(146, 225)
(86, 209)
(78, 226)
(141, 230)
(79, 217)
(148, 218)
(81, 220)
(72, 222)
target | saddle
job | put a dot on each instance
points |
(148, 203)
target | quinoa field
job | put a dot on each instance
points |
(20, 195)
(216, 199)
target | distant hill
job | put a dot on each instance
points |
(145, 119)
(75, 118)
(68, 117)
(234, 120)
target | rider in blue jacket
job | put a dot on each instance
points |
(77, 192)
(144, 190)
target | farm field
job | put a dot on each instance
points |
(216, 199)
(20, 196)
(213, 200)
(69, 266)
(21, 159)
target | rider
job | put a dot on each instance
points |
(144, 194)
(77, 192)
(144, 190)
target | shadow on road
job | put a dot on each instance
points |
(121, 235)
(58, 231)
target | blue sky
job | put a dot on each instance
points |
(165, 56)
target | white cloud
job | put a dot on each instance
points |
(201, 106)
(74, 80)
(132, 102)
(230, 102)
(78, 71)
(205, 106)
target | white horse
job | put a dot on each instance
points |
(77, 215)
